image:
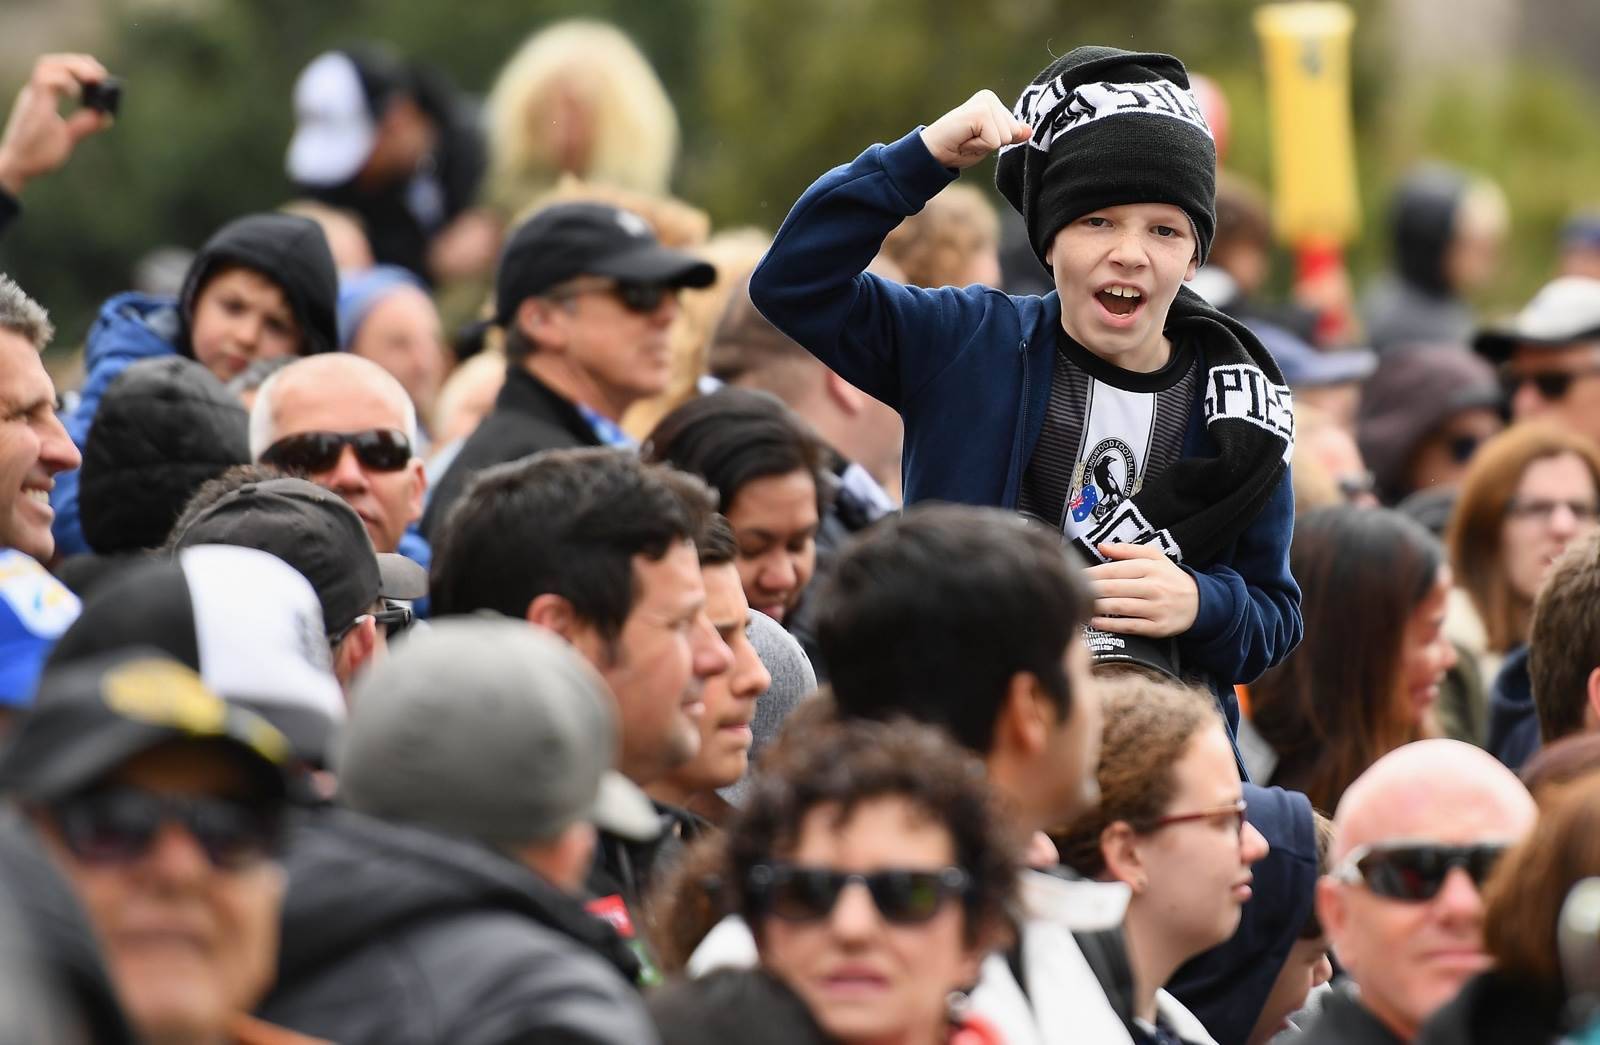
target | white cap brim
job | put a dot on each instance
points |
(625, 811)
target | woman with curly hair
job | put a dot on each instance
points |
(873, 872)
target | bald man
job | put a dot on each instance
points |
(1414, 839)
(346, 424)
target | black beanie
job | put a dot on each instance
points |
(1110, 127)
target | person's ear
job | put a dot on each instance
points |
(555, 613)
(542, 322)
(419, 488)
(1119, 848)
(1194, 266)
(1027, 716)
(355, 651)
(1592, 692)
(1331, 910)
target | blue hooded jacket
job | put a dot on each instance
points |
(1513, 720)
(130, 327)
(969, 370)
(289, 250)
(1227, 986)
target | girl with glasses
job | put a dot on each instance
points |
(1171, 826)
(1530, 492)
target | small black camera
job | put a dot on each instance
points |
(105, 96)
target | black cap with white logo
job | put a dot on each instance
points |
(567, 240)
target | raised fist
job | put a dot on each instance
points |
(972, 130)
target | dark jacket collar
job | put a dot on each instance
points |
(525, 394)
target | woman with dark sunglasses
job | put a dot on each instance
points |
(1529, 494)
(1171, 826)
(873, 872)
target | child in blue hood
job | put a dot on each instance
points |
(263, 286)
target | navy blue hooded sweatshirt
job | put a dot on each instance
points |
(969, 370)
(1513, 720)
(1226, 986)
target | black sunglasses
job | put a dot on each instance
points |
(643, 298)
(394, 619)
(808, 894)
(1552, 385)
(118, 826)
(1416, 871)
(381, 449)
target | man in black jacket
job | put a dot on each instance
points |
(586, 296)
(396, 932)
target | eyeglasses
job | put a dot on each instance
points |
(1552, 385)
(643, 298)
(307, 453)
(808, 894)
(119, 825)
(1416, 871)
(1544, 509)
(394, 618)
(1233, 811)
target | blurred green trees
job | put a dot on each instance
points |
(770, 95)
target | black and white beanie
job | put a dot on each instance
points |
(1110, 127)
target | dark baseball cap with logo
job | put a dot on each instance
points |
(1151, 654)
(94, 715)
(567, 240)
(316, 532)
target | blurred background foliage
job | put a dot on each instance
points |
(769, 95)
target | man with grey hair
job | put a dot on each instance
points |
(346, 424)
(33, 444)
(442, 906)
(1414, 839)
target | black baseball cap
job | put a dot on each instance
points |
(1158, 655)
(316, 532)
(93, 715)
(566, 240)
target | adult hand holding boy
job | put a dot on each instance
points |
(1142, 592)
(972, 130)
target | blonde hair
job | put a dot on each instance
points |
(590, 71)
(936, 247)
(472, 376)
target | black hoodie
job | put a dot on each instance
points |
(398, 935)
(287, 249)
(1416, 303)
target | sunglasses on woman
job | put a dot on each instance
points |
(1416, 871)
(308, 453)
(809, 894)
(119, 825)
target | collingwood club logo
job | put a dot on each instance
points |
(1105, 478)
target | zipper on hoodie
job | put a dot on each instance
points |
(1013, 490)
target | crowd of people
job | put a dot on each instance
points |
(807, 637)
